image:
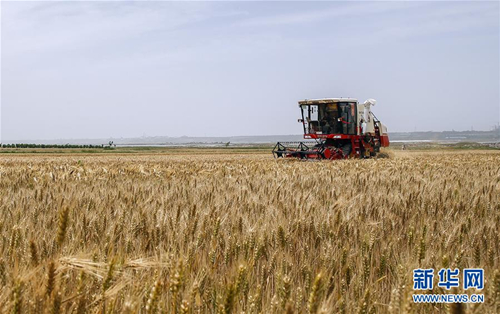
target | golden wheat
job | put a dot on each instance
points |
(242, 233)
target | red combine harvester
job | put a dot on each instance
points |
(341, 127)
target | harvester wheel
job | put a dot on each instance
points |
(346, 150)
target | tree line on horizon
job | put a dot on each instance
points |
(27, 145)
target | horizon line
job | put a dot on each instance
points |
(496, 128)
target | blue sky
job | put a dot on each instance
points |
(98, 69)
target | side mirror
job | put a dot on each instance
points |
(300, 120)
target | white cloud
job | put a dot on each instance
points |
(58, 26)
(355, 10)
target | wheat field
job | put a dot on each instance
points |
(243, 233)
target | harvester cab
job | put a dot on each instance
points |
(341, 128)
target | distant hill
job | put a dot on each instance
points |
(445, 136)
(448, 136)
